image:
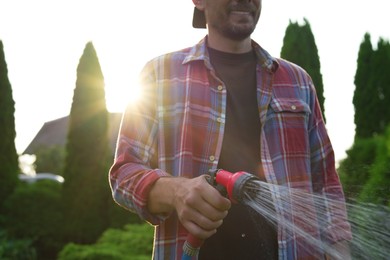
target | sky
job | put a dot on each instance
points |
(44, 40)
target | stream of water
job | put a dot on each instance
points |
(370, 223)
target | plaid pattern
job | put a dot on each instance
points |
(178, 126)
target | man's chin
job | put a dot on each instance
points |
(239, 31)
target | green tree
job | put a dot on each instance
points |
(372, 88)
(365, 172)
(300, 48)
(364, 101)
(9, 166)
(85, 191)
(366, 96)
(385, 80)
(380, 86)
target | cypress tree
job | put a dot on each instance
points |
(364, 100)
(372, 88)
(386, 84)
(300, 48)
(367, 157)
(380, 82)
(9, 165)
(85, 191)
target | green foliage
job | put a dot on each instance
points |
(384, 79)
(86, 192)
(362, 99)
(132, 242)
(370, 229)
(377, 188)
(11, 249)
(300, 48)
(50, 159)
(355, 169)
(380, 86)
(372, 115)
(34, 213)
(9, 165)
(88, 252)
(372, 93)
(365, 173)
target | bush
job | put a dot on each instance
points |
(377, 189)
(132, 242)
(16, 249)
(34, 213)
(88, 252)
(355, 169)
(370, 229)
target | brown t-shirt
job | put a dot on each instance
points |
(245, 234)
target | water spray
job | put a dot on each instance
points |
(369, 222)
(228, 184)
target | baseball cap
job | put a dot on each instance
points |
(198, 20)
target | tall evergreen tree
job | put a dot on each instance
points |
(386, 84)
(380, 82)
(300, 48)
(372, 88)
(9, 166)
(366, 162)
(86, 192)
(364, 101)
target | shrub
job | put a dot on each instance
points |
(355, 169)
(132, 242)
(34, 212)
(377, 188)
(16, 249)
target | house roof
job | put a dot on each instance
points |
(55, 133)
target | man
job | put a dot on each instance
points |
(224, 103)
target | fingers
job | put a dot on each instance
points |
(203, 215)
(198, 231)
(200, 207)
(212, 197)
(198, 224)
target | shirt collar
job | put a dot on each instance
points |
(199, 53)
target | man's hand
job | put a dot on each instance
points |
(199, 206)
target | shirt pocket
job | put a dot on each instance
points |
(288, 105)
(286, 127)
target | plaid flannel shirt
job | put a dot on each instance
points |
(177, 128)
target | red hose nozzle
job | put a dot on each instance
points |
(235, 186)
(234, 183)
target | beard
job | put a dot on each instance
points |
(237, 33)
(237, 29)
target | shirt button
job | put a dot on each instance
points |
(220, 87)
(293, 107)
(212, 158)
(243, 235)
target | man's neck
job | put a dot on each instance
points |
(224, 44)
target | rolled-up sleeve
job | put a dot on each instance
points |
(134, 172)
